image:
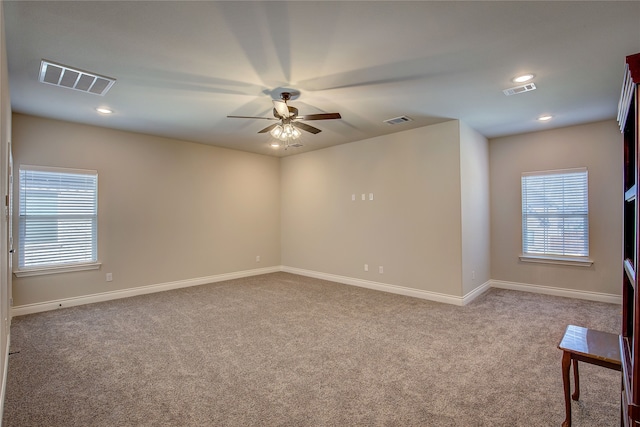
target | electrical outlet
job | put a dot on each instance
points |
(381, 269)
(366, 267)
(109, 277)
(473, 275)
(258, 258)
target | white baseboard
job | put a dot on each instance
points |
(476, 292)
(456, 300)
(124, 293)
(384, 287)
(5, 374)
(559, 292)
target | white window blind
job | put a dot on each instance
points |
(555, 213)
(58, 217)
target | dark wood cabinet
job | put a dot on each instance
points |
(630, 339)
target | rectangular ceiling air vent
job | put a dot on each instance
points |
(70, 78)
(398, 120)
(520, 89)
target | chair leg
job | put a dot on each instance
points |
(566, 364)
(576, 377)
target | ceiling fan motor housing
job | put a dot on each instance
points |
(293, 112)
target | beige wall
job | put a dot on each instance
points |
(168, 210)
(598, 146)
(412, 227)
(430, 225)
(474, 187)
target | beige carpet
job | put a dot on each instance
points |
(286, 350)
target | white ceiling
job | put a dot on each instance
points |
(182, 67)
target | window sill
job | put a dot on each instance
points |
(54, 270)
(558, 260)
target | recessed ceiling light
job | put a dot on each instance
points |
(103, 110)
(275, 145)
(523, 78)
(545, 118)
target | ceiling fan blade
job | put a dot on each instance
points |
(282, 108)
(268, 128)
(251, 117)
(323, 116)
(306, 127)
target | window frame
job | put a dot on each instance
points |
(550, 258)
(21, 271)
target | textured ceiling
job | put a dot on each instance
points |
(182, 67)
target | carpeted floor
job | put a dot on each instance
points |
(287, 350)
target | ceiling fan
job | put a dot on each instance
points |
(289, 125)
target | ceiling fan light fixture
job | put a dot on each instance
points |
(276, 131)
(288, 132)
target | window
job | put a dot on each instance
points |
(58, 220)
(555, 216)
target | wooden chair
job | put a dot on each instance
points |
(590, 346)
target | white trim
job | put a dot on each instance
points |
(558, 260)
(5, 374)
(41, 271)
(384, 287)
(476, 292)
(124, 293)
(559, 292)
(555, 171)
(58, 170)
